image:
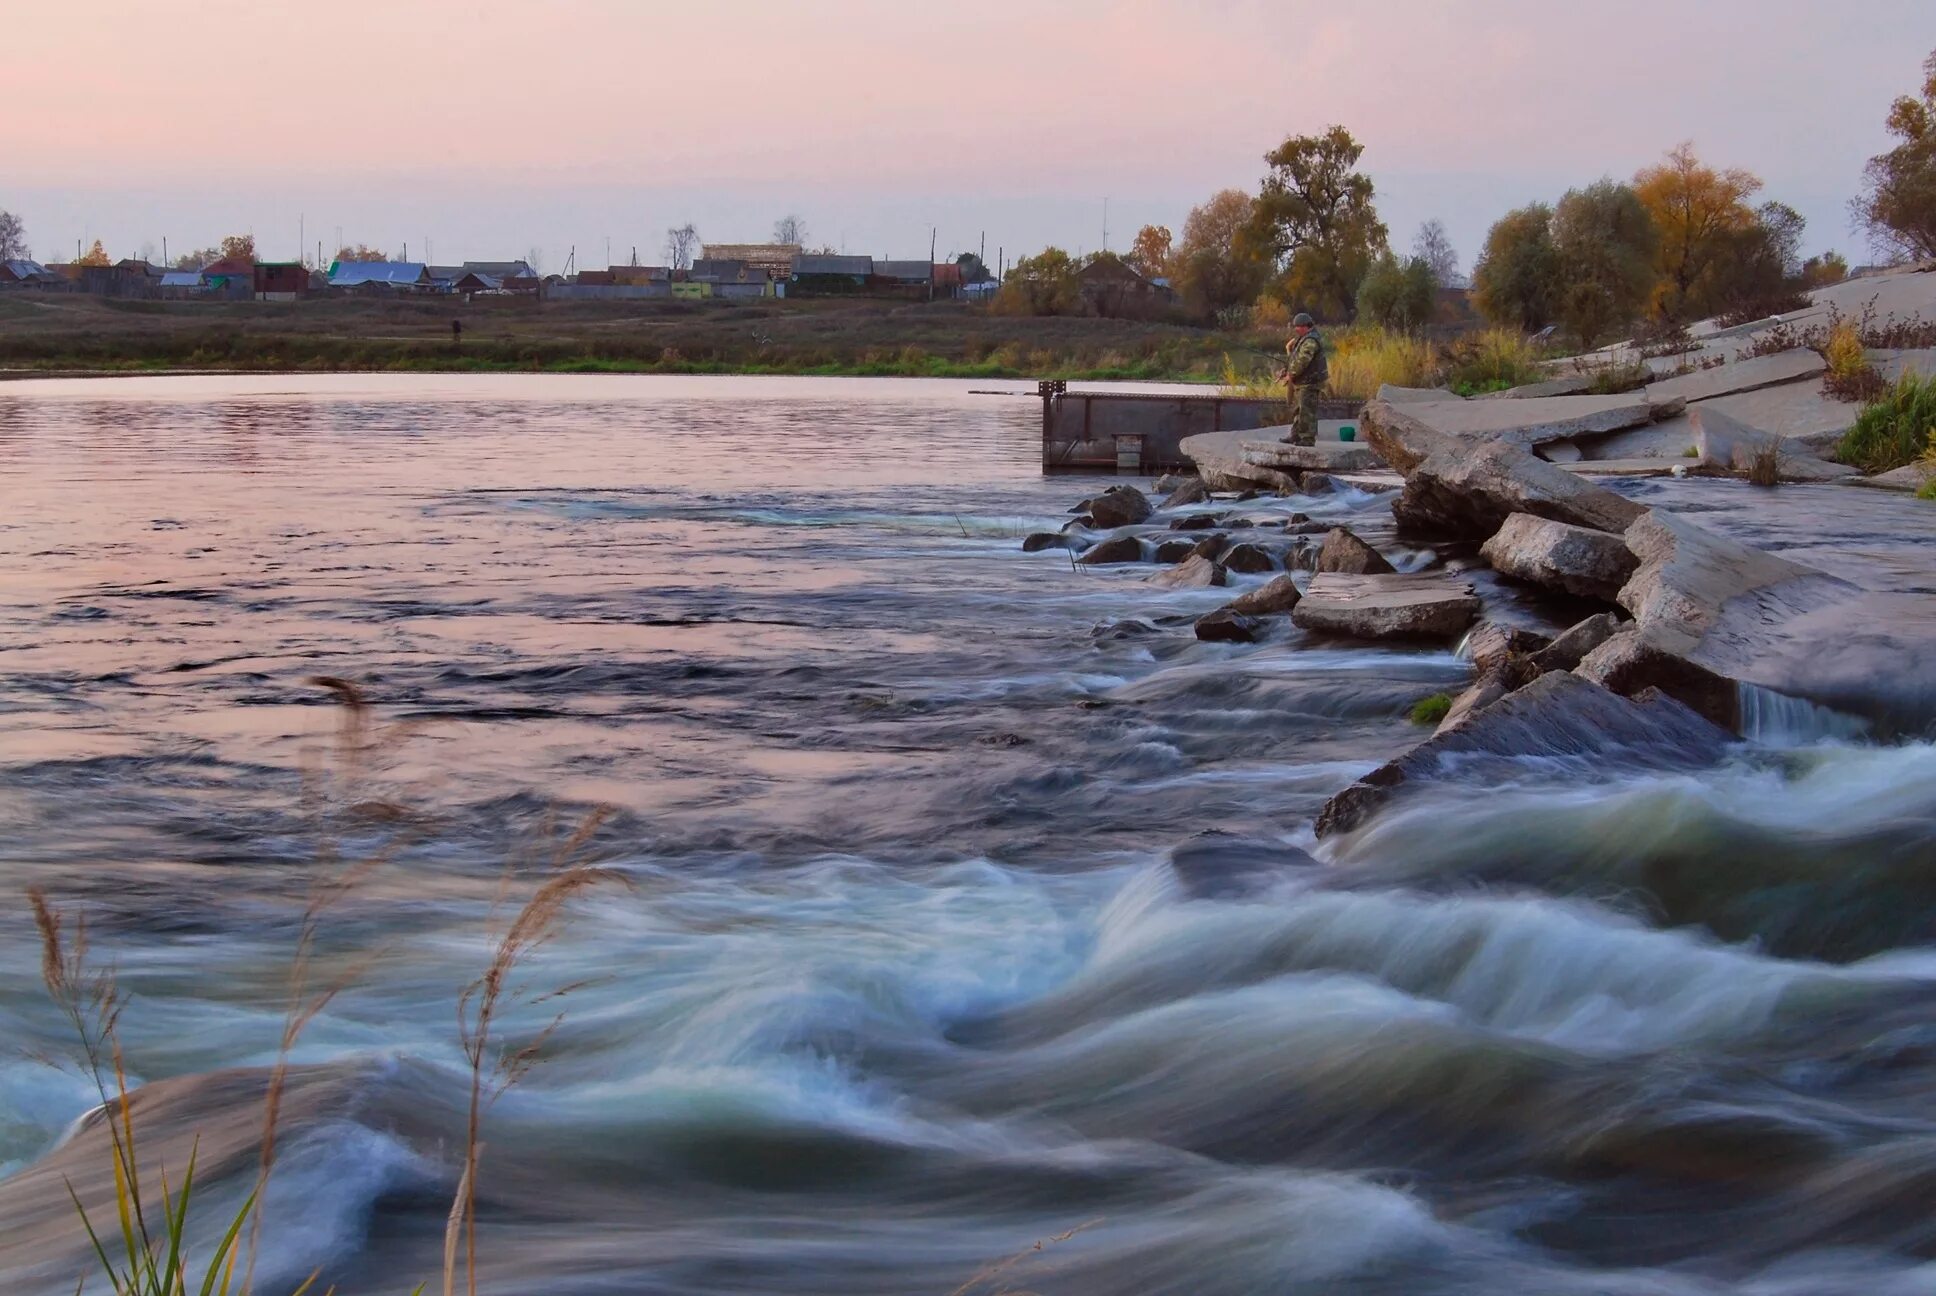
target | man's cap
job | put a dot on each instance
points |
(1303, 321)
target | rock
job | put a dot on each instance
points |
(1119, 506)
(1174, 551)
(1892, 365)
(1083, 523)
(1722, 441)
(1537, 419)
(1634, 661)
(1196, 522)
(1329, 457)
(1402, 441)
(1249, 559)
(1565, 652)
(1190, 491)
(1045, 540)
(1413, 395)
(1196, 572)
(1740, 376)
(1587, 563)
(1116, 549)
(1219, 457)
(1226, 626)
(1240, 524)
(1491, 645)
(1561, 452)
(1344, 552)
(1572, 385)
(1210, 546)
(1481, 694)
(1471, 493)
(1801, 413)
(1273, 598)
(1132, 629)
(1223, 866)
(1668, 439)
(1170, 483)
(1316, 483)
(1558, 717)
(1386, 607)
(1912, 477)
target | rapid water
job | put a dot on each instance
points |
(928, 952)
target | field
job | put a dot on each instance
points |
(68, 333)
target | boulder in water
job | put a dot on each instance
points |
(1190, 490)
(1211, 545)
(1174, 551)
(1344, 552)
(1559, 716)
(1224, 866)
(1273, 598)
(1557, 555)
(1387, 607)
(1470, 494)
(1041, 540)
(1119, 506)
(1227, 626)
(1635, 661)
(1116, 549)
(1195, 572)
(1249, 559)
(1491, 645)
(1566, 652)
(1197, 522)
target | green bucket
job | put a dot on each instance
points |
(1347, 433)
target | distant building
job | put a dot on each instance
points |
(904, 274)
(280, 280)
(21, 271)
(1111, 289)
(831, 274)
(379, 276)
(775, 259)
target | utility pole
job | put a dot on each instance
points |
(932, 234)
(1105, 224)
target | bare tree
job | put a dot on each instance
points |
(13, 237)
(790, 230)
(1434, 247)
(681, 243)
(535, 259)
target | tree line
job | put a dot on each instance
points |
(1681, 240)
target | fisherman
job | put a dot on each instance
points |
(1306, 372)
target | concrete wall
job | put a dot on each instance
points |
(1081, 430)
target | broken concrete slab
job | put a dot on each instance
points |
(1567, 651)
(1635, 660)
(1492, 644)
(1740, 376)
(1800, 412)
(1668, 439)
(1573, 559)
(1892, 365)
(1561, 452)
(1570, 385)
(1911, 477)
(1413, 395)
(1557, 720)
(1431, 606)
(1722, 441)
(1219, 457)
(1332, 457)
(1471, 493)
(1539, 419)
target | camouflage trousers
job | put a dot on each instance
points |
(1304, 416)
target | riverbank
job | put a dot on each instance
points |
(74, 335)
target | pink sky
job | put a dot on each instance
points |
(494, 126)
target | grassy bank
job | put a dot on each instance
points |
(66, 333)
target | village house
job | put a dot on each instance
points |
(1111, 289)
(379, 276)
(20, 272)
(823, 275)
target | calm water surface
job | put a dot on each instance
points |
(925, 956)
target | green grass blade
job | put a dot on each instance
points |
(176, 1219)
(225, 1246)
(107, 1265)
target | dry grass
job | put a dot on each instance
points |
(1364, 359)
(1765, 468)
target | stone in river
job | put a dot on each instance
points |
(1211, 545)
(1196, 522)
(1635, 661)
(1119, 506)
(1559, 716)
(1249, 558)
(1045, 540)
(1565, 652)
(1196, 572)
(1344, 552)
(1274, 597)
(1226, 626)
(1190, 491)
(1386, 607)
(1491, 645)
(1575, 560)
(1174, 551)
(1219, 865)
(1116, 549)
(1470, 493)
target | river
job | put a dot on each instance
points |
(920, 951)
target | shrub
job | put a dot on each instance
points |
(1492, 360)
(1363, 359)
(1614, 380)
(1431, 710)
(1850, 375)
(1269, 315)
(1895, 429)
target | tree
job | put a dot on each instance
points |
(13, 237)
(1699, 211)
(1828, 268)
(1898, 202)
(1315, 218)
(1398, 294)
(1516, 280)
(790, 230)
(1606, 244)
(239, 247)
(1216, 267)
(973, 269)
(1149, 255)
(681, 243)
(1044, 284)
(359, 252)
(1433, 246)
(96, 256)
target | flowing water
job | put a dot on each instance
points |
(926, 952)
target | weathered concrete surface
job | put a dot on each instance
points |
(1478, 695)
(1470, 493)
(1567, 651)
(1668, 439)
(1387, 607)
(1197, 572)
(1576, 560)
(1332, 457)
(1219, 457)
(1799, 412)
(1561, 452)
(1274, 597)
(1722, 441)
(1413, 395)
(1741, 376)
(1539, 419)
(1570, 385)
(1344, 552)
(1894, 364)
(1491, 645)
(1400, 439)
(1911, 477)
(1557, 719)
(1634, 661)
